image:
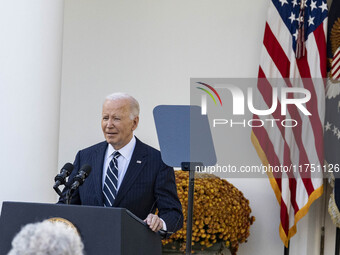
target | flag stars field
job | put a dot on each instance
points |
(311, 20)
(292, 17)
(335, 130)
(328, 126)
(283, 2)
(323, 6)
(313, 5)
(296, 34)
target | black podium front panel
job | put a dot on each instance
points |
(104, 231)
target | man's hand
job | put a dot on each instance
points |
(154, 222)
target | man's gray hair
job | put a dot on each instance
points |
(47, 237)
(134, 105)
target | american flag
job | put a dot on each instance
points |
(294, 47)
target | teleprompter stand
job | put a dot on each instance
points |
(185, 141)
(187, 166)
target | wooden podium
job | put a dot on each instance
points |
(104, 231)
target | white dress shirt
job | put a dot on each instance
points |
(123, 160)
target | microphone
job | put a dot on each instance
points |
(81, 176)
(61, 177)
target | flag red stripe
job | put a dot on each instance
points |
(335, 71)
(320, 39)
(336, 61)
(284, 217)
(337, 54)
(276, 52)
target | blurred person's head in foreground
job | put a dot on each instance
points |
(47, 238)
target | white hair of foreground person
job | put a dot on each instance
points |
(47, 238)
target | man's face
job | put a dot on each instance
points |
(116, 123)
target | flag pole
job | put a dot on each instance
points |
(323, 214)
(286, 249)
(337, 241)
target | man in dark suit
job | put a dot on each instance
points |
(126, 172)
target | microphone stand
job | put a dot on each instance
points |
(55, 187)
(190, 166)
(69, 195)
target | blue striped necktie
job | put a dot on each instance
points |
(111, 181)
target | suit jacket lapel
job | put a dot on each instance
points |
(98, 162)
(137, 162)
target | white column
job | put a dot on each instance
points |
(30, 78)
